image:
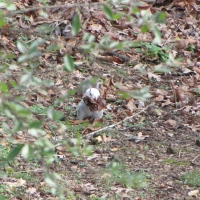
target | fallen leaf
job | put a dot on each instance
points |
(138, 138)
(131, 105)
(154, 76)
(18, 183)
(166, 103)
(114, 149)
(193, 193)
(170, 123)
(31, 190)
(111, 97)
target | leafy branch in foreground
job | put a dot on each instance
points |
(26, 86)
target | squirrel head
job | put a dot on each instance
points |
(93, 100)
(92, 93)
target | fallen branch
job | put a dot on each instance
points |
(113, 125)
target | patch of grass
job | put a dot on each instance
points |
(191, 178)
(70, 110)
(164, 87)
(183, 150)
(120, 174)
(175, 163)
(138, 126)
(76, 128)
(12, 192)
(151, 50)
(191, 47)
(4, 151)
(121, 71)
(118, 101)
(24, 175)
(108, 117)
(44, 1)
(38, 109)
(3, 189)
(94, 197)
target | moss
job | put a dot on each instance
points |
(175, 163)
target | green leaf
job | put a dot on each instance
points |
(34, 54)
(135, 10)
(19, 109)
(2, 175)
(76, 24)
(144, 28)
(157, 38)
(2, 18)
(22, 46)
(68, 63)
(43, 14)
(113, 44)
(10, 6)
(3, 5)
(108, 12)
(35, 44)
(50, 180)
(27, 151)
(162, 69)
(3, 88)
(3, 197)
(159, 17)
(23, 58)
(44, 28)
(88, 37)
(117, 16)
(53, 114)
(15, 151)
(35, 124)
(52, 47)
(34, 65)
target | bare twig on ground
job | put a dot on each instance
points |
(113, 125)
(193, 161)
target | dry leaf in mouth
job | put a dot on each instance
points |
(94, 105)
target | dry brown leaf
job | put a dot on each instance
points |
(166, 103)
(110, 81)
(159, 98)
(18, 183)
(154, 76)
(139, 137)
(31, 190)
(131, 105)
(194, 128)
(193, 193)
(114, 149)
(196, 69)
(161, 92)
(111, 97)
(170, 123)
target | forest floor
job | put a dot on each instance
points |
(152, 155)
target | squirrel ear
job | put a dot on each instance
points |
(89, 83)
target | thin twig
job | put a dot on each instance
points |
(194, 159)
(113, 125)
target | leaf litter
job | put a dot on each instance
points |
(173, 121)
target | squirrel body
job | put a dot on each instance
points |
(91, 106)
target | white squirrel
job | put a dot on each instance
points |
(91, 106)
